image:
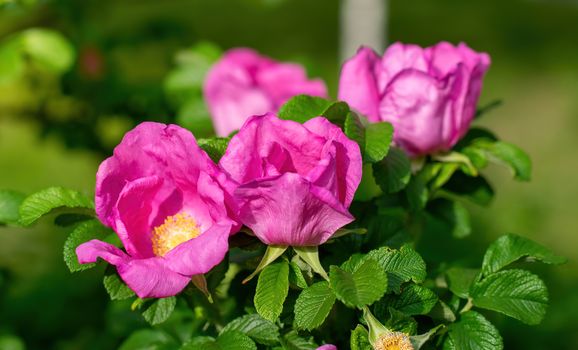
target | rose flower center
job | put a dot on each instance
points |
(393, 341)
(175, 230)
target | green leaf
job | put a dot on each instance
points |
(393, 173)
(460, 280)
(296, 276)
(359, 339)
(459, 159)
(313, 306)
(201, 342)
(149, 339)
(472, 332)
(413, 300)
(82, 233)
(365, 285)
(510, 248)
(373, 139)
(233, 340)
(215, 147)
(337, 113)
(271, 254)
(45, 201)
(516, 293)
(398, 321)
(510, 155)
(49, 48)
(272, 289)
(401, 265)
(11, 60)
(257, 328)
(301, 108)
(292, 341)
(9, 203)
(160, 310)
(115, 287)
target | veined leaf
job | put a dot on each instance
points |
(460, 280)
(359, 339)
(116, 288)
(393, 172)
(257, 328)
(214, 147)
(510, 248)
(82, 233)
(401, 265)
(301, 108)
(160, 310)
(44, 201)
(516, 293)
(272, 289)
(313, 305)
(292, 341)
(413, 300)
(473, 332)
(365, 285)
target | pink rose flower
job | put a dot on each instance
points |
(170, 206)
(243, 84)
(295, 181)
(429, 95)
(327, 347)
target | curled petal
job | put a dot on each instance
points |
(90, 251)
(152, 278)
(289, 210)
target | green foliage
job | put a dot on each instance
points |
(373, 139)
(401, 266)
(472, 332)
(214, 147)
(393, 173)
(257, 328)
(9, 203)
(115, 287)
(230, 340)
(413, 300)
(301, 108)
(272, 289)
(363, 286)
(82, 233)
(149, 339)
(292, 341)
(455, 215)
(516, 293)
(460, 280)
(159, 310)
(313, 305)
(510, 248)
(359, 339)
(45, 201)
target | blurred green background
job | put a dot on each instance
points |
(60, 116)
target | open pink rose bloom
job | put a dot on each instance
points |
(295, 182)
(244, 83)
(429, 95)
(169, 204)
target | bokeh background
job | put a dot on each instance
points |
(121, 62)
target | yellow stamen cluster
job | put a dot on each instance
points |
(175, 230)
(393, 341)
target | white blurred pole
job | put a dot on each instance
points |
(363, 22)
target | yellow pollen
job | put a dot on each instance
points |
(393, 341)
(175, 230)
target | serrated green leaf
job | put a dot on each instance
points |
(313, 306)
(303, 107)
(398, 321)
(82, 233)
(460, 280)
(233, 340)
(45, 201)
(510, 155)
(201, 342)
(9, 203)
(413, 300)
(393, 172)
(271, 254)
(510, 248)
(378, 137)
(149, 339)
(365, 285)
(516, 293)
(257, 328)
(160, 310)
(296, 276)
(272, 289)
(359, 339)
(115, 287)
(401, 265)
(292, 341)
(214, 147)
(473, 332)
